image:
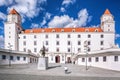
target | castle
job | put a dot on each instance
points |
(63, 45)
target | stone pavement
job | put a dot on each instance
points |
(58, 70)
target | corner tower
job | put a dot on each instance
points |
(107, 22)
(12, 28)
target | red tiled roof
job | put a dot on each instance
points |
(107, 11)
(13, 11)
(47, 30)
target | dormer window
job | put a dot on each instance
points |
(31, 31)
(86, 30)
(73, 30)
(43, 30)
(62, 30)
(53, 30)
(96, 30)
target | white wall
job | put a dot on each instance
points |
(109, 64)
(14, 61)
(11, 36)
(63, 40)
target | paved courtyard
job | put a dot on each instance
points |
(56, 72)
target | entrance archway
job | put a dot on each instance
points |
(68, 60)
(57, 59)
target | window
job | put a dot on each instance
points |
(24, 37)
(102, 36)
(115, 58)
(101, 43)
(24, 58)
(101, 48)
(18, 58)
(89, 59)
(35, 49)
(24, 43)
(68, 35)
(35, 42)
(11, 57)
(9, 36)
(3, 57)
(62, 30)
(96, 59)
(43, 30)
(53, 30)
(46, 36)
(86, 30)
(79, 49)
(57, 50)
(68, 42)
(35, 36)
(57, 35)
(83, 59)
(79, 36)
(79, 43)
(68, 49)
(57, 43)
(96, 30)
(89, 49)
(47, 49)
(89, 42)
(73, 30)
(104, 59)
(89, 36)
(46, 43)
(62, 58)
(51, 58)
(24, 49)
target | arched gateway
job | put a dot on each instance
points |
(57, 59)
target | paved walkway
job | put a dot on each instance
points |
(58, 70)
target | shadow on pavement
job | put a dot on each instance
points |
(51, 67)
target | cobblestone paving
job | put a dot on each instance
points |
(56, 72)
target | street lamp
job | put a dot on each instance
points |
(86, 49)
(9, 53)
(72, 53)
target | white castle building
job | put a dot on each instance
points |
(64, 45)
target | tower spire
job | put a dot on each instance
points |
(13, 11)
(107, 11)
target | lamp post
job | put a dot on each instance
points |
(9, 53)
(86, 49)
(72, 53)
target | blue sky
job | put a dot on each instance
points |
(60, 13)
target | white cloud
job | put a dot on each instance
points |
(27, 8)
(117, 36)
(62, 9)
(5, 2)
(68, 2)
(1, 41)
(43, 23)
(60, 21)
(34, 25)
(47, 15)
(83, 17)
(66, 21)
(2, 16)
(45, 18)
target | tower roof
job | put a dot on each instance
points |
(13, 11)
(107, 11)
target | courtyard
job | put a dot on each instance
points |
(56, 72)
